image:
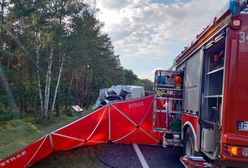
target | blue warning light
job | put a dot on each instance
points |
(234, 7)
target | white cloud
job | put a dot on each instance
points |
(140, 28)
(114, 5)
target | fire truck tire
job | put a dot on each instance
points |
(189, 143)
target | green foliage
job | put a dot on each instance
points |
(5, 110)
(31, 28)
(130, 77)
(69, 112)
(17, 134)
(146, 83)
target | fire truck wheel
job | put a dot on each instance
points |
(189, 143)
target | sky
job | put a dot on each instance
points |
(149, 34)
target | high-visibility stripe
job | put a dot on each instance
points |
(109, 123)
(134, 125)
(129, 119)
(36, 151)
(149, 135)
(97, 125)
(78, 120)
(69, 137)
(146, 114)
(51, 141)
(97, 141)
(125, 135)
(161, 111)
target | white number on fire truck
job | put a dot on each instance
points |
(243, 37)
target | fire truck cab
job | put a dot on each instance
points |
(203, 104)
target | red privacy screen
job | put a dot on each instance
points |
(123, 122)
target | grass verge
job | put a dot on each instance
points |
(17, 134)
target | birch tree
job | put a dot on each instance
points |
(58, 82)
(48, 83)
(37, 49)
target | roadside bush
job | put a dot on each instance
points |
(5, 112)
(69, 112)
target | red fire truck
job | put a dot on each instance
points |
(203, 104)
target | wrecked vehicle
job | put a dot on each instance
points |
(118, 93)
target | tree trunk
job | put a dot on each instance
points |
(21, 94)
(69, 92)
(57, 108)
(48, 83)
(2, 23)
(58, 82)
(38, 76)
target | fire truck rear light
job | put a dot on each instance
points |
(236, 151)
(233, 150)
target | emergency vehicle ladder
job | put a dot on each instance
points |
(168, 106)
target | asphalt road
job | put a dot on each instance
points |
(124, 156)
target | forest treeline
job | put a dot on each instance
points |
(53, 54)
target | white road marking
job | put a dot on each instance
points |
(140, 156)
